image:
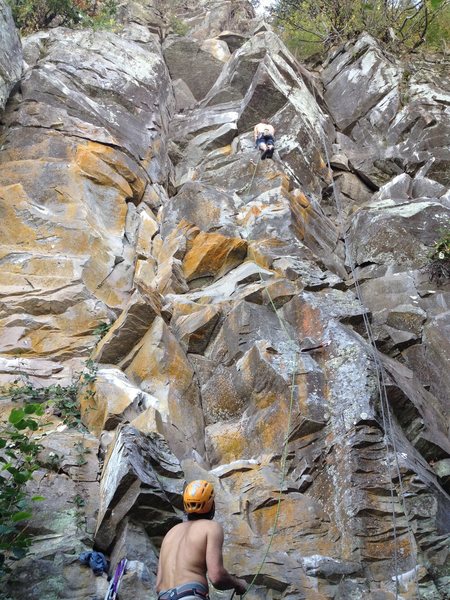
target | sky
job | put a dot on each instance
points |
(263, 5)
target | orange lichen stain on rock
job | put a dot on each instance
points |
(388, 546)
(182, 309)
(179, 371)
(271, 428)
(254, 254)
(300, 514)
(311, 323)
(160, 360)
(307, 319)
(144, 274)
(301, 210)
(13, 202)
(153, 150)
(285, 181)
(301, 384)
(230, 445)
(100, 171)
(148, 421)
(224, 150)
(251, 214)
(210, 253)
(93, 409)
(195, 323)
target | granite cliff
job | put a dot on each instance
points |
(269, 325)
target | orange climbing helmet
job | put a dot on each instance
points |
(198, 497)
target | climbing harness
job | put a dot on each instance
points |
(116, 580)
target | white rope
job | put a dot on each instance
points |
(381, 384)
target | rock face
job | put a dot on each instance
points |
(10, 53)
(267, 325)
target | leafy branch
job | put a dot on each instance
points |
(18, 459)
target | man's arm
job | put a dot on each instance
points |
(159, 575)
(218, 575)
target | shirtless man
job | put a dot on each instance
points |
(193, 549)
(264, 135)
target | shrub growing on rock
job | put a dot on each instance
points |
(32, 15)
(439, 265)
(313, 25)
(18, 460)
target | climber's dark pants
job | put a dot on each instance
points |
(265, 139)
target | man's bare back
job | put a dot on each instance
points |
(190, 551)
(183, 553)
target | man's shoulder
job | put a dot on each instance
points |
(176, 529)
(207, 525)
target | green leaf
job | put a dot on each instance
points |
(22, 477)
(37, 498)
(16, 415)
(32, 408)
(21, 516)
(2, 443)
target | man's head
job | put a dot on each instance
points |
(198, 500)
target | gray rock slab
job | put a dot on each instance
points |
(393, 119)
(202, 205)
(138, 469)
(129, 328)
(10, 53)
(79, 62)
(386, 233)
(187, 61)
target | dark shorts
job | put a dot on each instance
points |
(265, 139)
(191, 589)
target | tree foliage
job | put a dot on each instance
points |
(402, 24)
(18, 461)
(33, 15)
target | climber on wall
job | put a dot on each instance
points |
(264, 135)
(192, 549)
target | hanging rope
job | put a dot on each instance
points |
(385, 412)
(382, 391)
(284, 450)
(283, 473)
(247, 191)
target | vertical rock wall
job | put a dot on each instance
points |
(10, 54)
(133, 195)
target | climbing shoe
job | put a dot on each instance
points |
(269, 152)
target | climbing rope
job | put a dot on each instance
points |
(254, 173)
(283, 472)
(284, 450)
(382, 391)
(385, 412)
